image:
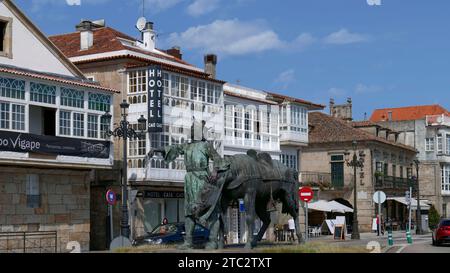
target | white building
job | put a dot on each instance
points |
(265, 122)
(252, 119)
(52, 137)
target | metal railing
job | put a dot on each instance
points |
(392, 182)
(322, 180)
(29, 242)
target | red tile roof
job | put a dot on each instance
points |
(231, 94)
(106, 39)
(408, 113)
(283, 97)
(365, 123)
(55, 78)
(165, 66)
(327, 129)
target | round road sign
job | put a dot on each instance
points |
(379, 197)
(306, 194)
(111, 197)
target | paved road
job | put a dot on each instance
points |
(426, 247)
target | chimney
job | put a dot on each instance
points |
(175, 52)
(343, 111)
(86, 34)
(210, 65)
(331, 106)
(149, 36)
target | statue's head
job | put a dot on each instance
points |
(198, 130)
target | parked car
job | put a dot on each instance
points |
(172, 233)
(442, 233)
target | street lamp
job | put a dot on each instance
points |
(418, 211)
(125, 131)
(355, 163)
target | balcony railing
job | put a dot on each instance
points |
(324, 181)
(391, 182)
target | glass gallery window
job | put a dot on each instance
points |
(99, 102)
(78, 124)
(12, 88)
(445, 178)
(64, 123)
(42, 93)
(72, 98)
(92, 128)
(429, 144)
(137, 81)
(12, 116)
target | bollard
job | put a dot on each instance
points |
(390, 239)
(408, 237)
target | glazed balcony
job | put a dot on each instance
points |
(290, 137)
(156, 171)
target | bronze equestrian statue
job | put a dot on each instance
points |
(258, 180)
(197, 155)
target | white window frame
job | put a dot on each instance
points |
(430, 144)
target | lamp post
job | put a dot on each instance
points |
(418, 211)
(125, 131)
(355, 163)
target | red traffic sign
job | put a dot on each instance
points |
(306, 194)
(111, 197)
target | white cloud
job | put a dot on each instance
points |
(338, 92)
(366, 89)
(285, 78)
(228, 37)
(343, 36)
(73, 2)
(155, 6)
(37, 5)
(200, 7)
(302, 42)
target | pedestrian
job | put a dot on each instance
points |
(165, 221)
(291, 224)
(378, 225)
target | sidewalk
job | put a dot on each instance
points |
(399, 238)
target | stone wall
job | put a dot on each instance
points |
(318, 160)
(64, 204)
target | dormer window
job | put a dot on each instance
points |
(5, 37)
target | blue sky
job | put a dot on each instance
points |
(389, 55)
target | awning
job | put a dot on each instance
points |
(339, 205)
(331, 206)
(423, 203)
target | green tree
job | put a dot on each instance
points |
(433, 217)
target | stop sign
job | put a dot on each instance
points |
(306, 194)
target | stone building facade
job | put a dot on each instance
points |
(323, 165)
(427, 128)
(52, 141)
(64, 206)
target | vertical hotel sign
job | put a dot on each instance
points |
(155, 95)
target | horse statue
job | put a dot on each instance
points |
(260, 181)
